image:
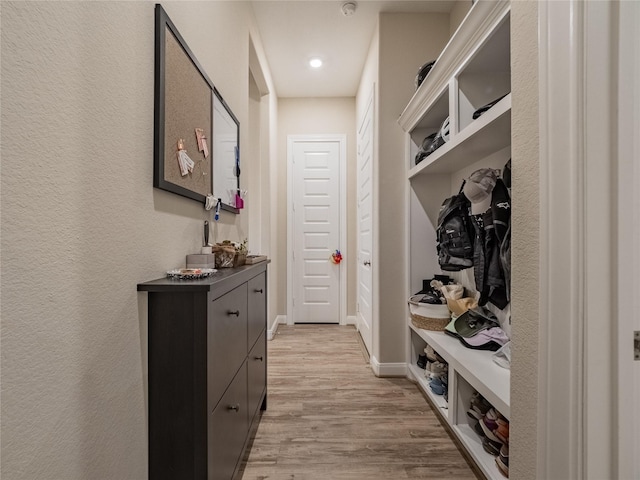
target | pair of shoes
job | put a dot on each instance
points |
(439, 385)
(431, 354)
(496, 431)
(478, 407)
(495, 426)
(422, 361)
(502, 460)
(439, 368)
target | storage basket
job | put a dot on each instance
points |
(225, 255)
(239, 259)
(428, 316)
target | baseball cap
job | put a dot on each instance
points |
(490, 339)
(474, 321)
(478, 188)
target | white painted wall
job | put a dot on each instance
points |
(310, 116)
(82, 225)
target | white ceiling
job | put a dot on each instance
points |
(294, 31)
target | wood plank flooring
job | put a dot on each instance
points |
(329, 417)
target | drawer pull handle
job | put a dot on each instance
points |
(261, 358)
(235, 408)
(234, 312)
(258, 290)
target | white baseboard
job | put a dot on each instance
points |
(351, 320)
(271, 332)
(388, 369)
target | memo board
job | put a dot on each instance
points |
(183, 99)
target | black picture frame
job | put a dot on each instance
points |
(183, 100)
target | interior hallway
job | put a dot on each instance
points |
(328, 416)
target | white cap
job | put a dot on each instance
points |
(478, 188)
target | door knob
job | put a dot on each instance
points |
(367, 263)
(235, 408)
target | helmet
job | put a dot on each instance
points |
(444, 130)
(423, 72)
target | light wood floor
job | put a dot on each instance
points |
(329, 417)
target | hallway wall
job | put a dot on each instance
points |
(312, 116)
(82, 224)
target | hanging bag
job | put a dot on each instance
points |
(454, 234)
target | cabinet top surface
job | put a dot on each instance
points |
(223, 275)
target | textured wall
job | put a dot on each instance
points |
(312, 116)
(82, 225)
(525, 239)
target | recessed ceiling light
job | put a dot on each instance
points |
(315, 63)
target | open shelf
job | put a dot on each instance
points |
(486, 135)
(477, 28)
(438, 400)
(476, 366)
(485, 461)
(473, 70)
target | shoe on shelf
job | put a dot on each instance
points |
(489, 424)
(478, 429)
(430, 353)
(502, 460)
(437, 387)
(502, 431)
(491, 447)
(478, 407)
(439, 368)
(422, 361)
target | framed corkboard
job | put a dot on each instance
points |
(184, 162)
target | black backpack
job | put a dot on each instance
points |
(454, 234)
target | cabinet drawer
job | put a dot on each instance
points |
(257, 371)
(226, 341)
(228, 427)
(257, 307)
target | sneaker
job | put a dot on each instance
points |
(422, 361)
(502, 460)
(502, 431)
(430, 353)
(489, 424)
(439, 368)
(491, 447)
(478, 407)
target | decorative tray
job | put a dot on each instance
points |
(190, 273)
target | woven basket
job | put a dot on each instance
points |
(428, 317)
(425, 323)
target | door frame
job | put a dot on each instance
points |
(628, 252)
(342, 140)
(582, 355)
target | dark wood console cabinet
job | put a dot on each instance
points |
(207, 371)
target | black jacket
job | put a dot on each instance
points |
(492, 247)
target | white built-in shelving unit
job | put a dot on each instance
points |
(472, 70)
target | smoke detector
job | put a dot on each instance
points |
(348, 9)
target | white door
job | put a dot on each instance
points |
(365, 226)
(315, 229)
